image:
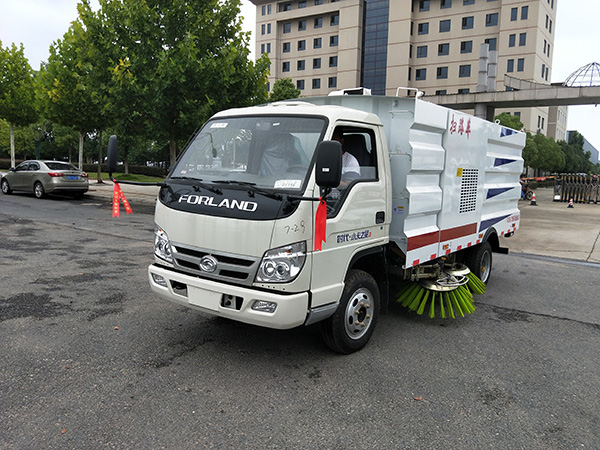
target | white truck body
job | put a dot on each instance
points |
(434, 183)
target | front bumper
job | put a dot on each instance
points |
(233, 302)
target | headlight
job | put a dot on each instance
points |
(283, 264)
(162, 247)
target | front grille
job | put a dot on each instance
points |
(235, 268)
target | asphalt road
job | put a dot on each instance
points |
(91, 359)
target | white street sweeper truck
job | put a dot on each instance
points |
(263, 220)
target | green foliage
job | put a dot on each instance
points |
(17, 87)
(284, 89)
(576, 159)
(24, 141)
(510, 121)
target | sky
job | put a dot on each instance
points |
(38, 23)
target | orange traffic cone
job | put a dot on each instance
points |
(533, 203)
(571, 202)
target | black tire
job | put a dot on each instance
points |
(529, 195)
(479, 261)
(38, 190)
(351, 326)
(5, 187)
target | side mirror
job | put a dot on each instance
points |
(329, 164)
(12, 169)
(112, 156)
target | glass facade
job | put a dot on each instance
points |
(375, 45)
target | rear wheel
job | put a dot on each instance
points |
(38, 190)
(5, 187)
(479, 260)
(351, 326)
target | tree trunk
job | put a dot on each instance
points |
(100, 156)
(172, 152)
(12, 145)
(80, 150)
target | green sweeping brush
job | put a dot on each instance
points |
(443, 301)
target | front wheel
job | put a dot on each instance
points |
(351, 326)
(6, 187)
(38, 190)
(479, 260)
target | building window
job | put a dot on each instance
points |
(512, 38)
(316, 63)
(524, 12)
(317, 42)
(287, 27)
(285, 66)
(441, 92)
(286, 47)
(420, 74)
(335, 20)
(522, 39)
(520, 64)
(300, 84)
(264, 10)
(300, 65)
(491, 20)
(492, 43)
(318, 2)
(268, 47)
(510, 65)
(332, 82)
(514, 14)
(422, 51)
(543, 70)
(423, 28)
(263, 29)
(302, 4)
(464, 71)
(285, 6)
(423, 5)
(333, 61)
(444, 26)
(464, 91)
(443, 49)
(333, 41)
(301, 45)
(468, 2)
(318, 22)
(467, 22)
(316, 83)
(301, 25)
(466, 46)
(442, 73)
(262, 48)
(446, 4)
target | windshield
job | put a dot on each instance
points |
(267, 151)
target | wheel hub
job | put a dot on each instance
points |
(358, 314)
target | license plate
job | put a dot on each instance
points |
(203, 298)
(72, 177)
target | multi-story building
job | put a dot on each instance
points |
(430, 45)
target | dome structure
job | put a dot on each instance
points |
(586, 76)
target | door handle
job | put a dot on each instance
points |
(380, 217)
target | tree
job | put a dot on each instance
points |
(510, 121)
(284, 89)
(68, 88)
(17, 91)
(173, 64)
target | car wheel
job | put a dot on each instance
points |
(38, 190)
(479, 260)
(5, 187)
(351, 326)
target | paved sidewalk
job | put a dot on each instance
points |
(133, 193)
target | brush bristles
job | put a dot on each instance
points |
(443, 304)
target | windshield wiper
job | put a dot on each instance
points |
(253, 188)
(197, 184)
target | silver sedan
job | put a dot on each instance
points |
(45, 177)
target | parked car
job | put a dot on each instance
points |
(45, 177)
